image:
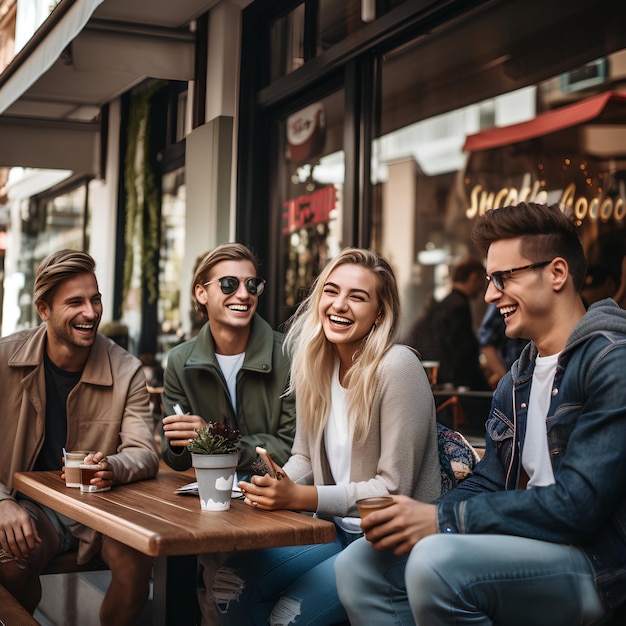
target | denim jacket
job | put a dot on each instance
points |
(586, 429)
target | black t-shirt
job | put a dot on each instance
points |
(59, 383)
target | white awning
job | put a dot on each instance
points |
(87, 53)
(47, 52)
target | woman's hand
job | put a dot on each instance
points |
(182, 429)
(265, 492)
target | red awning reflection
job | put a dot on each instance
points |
(609, 108)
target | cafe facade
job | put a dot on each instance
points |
(299, 128)
(396, 133)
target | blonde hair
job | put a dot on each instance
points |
(313, 356)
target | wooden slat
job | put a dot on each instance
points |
(12, 613)
(152, 518)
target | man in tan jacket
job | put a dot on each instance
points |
(65, 386)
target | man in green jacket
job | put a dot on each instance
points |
(234, 371)
(65, 386)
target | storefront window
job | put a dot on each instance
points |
(60, 219)
(287, 43)
(339, 21)
(312, 172)
(429, 78)
(316, 26)
(430, 179)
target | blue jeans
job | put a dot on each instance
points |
(469, 579)
(291, 585)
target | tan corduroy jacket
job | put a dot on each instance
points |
(107, 411)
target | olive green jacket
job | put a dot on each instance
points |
(194, 380)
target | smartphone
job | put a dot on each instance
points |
(272, 468)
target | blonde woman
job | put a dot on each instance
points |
(365, 427)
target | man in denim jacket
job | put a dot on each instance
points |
(537, 535)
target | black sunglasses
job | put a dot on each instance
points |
(229, 284)
(498, 278)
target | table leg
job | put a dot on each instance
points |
(174, 597)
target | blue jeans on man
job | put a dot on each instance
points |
(469, 579)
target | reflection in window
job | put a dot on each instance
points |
(316, 26)
(311, 200)
(428, 188)
(287, 43)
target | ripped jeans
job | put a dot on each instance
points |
(280, 586)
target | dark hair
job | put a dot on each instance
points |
(223, 252)
(545, 233)
(464, 270)
(56, 268)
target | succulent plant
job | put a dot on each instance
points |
(215, 438)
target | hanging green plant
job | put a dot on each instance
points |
(142, 196)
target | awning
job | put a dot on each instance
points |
(606, 108)
(28, 66)
(87, 53)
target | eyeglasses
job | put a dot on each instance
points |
(498, 278)
(229, 284)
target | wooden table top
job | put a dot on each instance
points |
(150, 516)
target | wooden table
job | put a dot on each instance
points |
(150, 516)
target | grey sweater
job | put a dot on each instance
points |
(399, 454)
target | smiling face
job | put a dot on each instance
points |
(228, 311)
(349, 307)
(72, 319)
(527, 301)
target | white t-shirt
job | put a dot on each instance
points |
(230, 364)
(535, 455)
(338, 441)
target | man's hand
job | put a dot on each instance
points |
(181, 429)
(400, 526)
(18, 532)
(104, 477)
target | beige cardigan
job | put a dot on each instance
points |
(107, 411)
(400, 453)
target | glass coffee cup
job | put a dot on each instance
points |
(432, 369)
(375, 503)
(87, 474)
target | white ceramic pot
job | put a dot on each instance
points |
(215, 474)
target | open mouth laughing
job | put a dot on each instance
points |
(85, 327)
(505, 311)
(342, 321)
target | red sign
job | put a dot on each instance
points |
(305, 211)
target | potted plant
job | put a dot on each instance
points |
(214, 456)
